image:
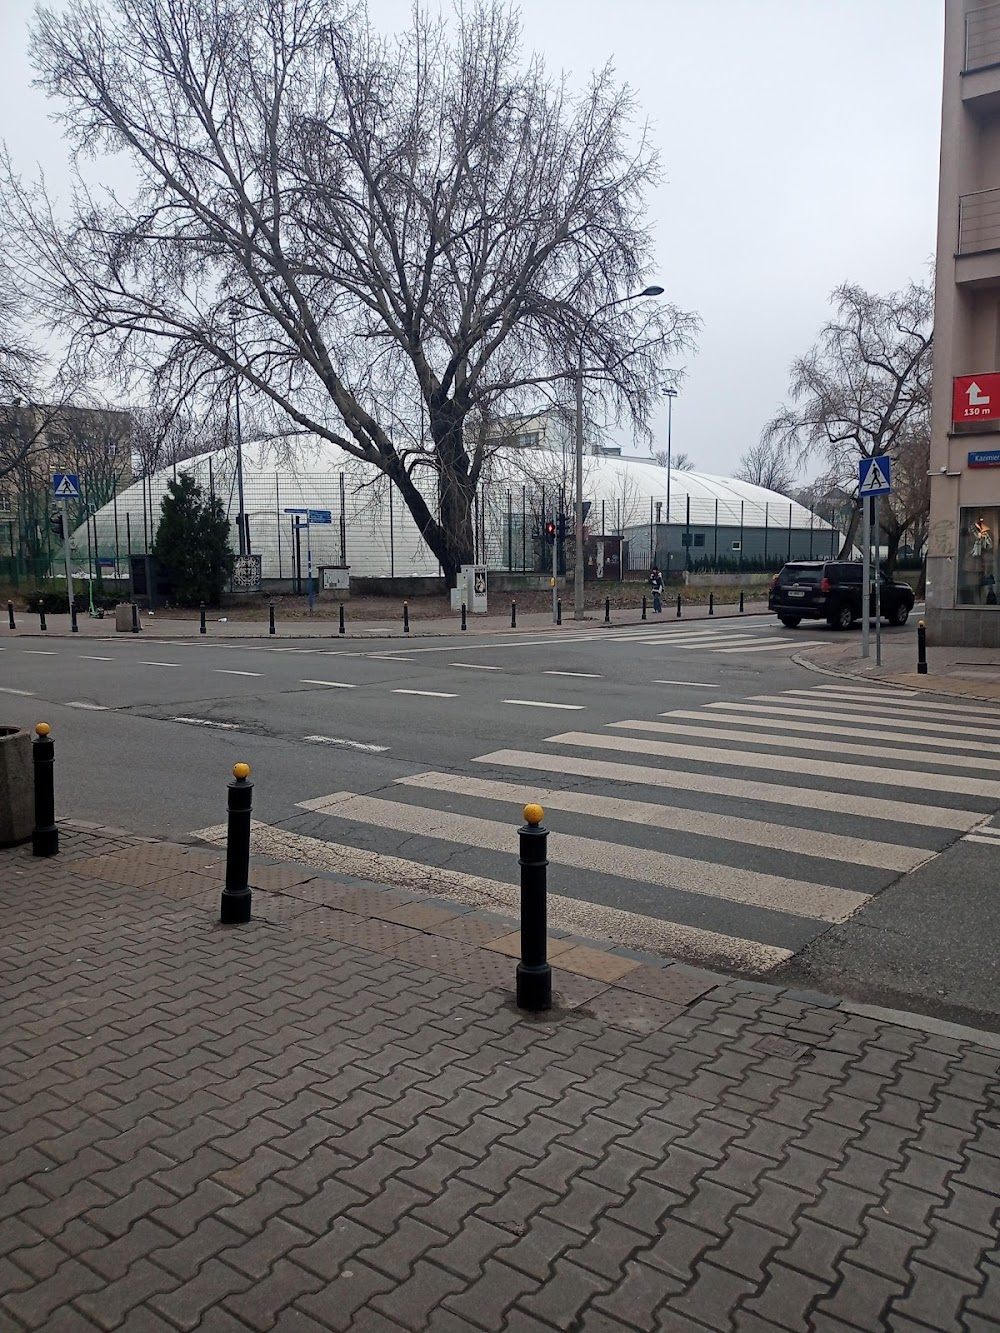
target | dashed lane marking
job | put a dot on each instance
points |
(330, 684)
(207, 722)
(222, 671)
(93, 708)
(428, 694)
(540, 703)
(345, 744)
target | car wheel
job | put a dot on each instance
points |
(841, 619)
(901, 614)
(790, 621)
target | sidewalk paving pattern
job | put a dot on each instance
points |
(334, 1118)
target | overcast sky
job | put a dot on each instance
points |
(800, 145)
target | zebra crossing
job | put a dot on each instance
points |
(730, 834)
(727, 637)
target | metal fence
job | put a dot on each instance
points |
(364, 524)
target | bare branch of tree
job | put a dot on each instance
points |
(767, 464)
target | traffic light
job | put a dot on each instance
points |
(57, 524)
(562, 528)
(550, 532)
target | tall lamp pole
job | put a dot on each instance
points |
(670, 395)
(241, 522)
(578, 564)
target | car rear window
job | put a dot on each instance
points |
(809, 574)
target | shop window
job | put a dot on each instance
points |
(978, 568)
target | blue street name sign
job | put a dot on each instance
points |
(320, 516)
(874, 476)
(66, 485)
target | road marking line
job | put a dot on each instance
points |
(858, 715)
(753, 832)
(346, 744)
(783, 763)
(41, 652)
(866, 690)
(902, 700)
(695, 684)
(388, 657)
(848, 727)
(752, 888)
(207, 722)
(844, 803)
(579, 675)
(89, 657)
(474, 666)
(988, 829)
(224, 671)
(540, 703)
(974, 837)
(161, 664)
(94, 708)
(428, 694)
(768, 647)
(331, 684)
(7, 689)
(584, 918)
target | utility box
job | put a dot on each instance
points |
(123, 618)
(335, 579)
(17, 808)
(470, 590)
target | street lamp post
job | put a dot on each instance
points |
(578, 564)
(670, 395)
(240, 519)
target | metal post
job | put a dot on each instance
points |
(644, 608)
(72, 619)
(534, 974)
(578, 516)
(741, 601)
(128, 542)
(135, 618)
(711, 603)
(607, 610)
(342, 628)
(866, 558)
(309, 565)
(464, 625)
(513, 614)
(559, 613)
(716, 556)
(118, 554)
(66, 556)
(41, 617)
(45, 835)
(343, 521)
(678, 606)
(921, 649)
(406, 618)
(741, 536)
(240, 524)
(236, 896)
(555, 572)
(270, 618)
(671, 394)
(766, 509)
(878, 588)
(202, 628)
(10, 615)
(789, 556)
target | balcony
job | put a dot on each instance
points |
(977, 259)
(981, 70)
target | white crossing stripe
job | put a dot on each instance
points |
(330, 684)
(783, 763)
(772, 737)
(222, 671)
(836, 802)
(428, 694)
(776, 892)
(695, 684)
(910, 701)
(769, 647)
(849, 726)
(894, 711)
(783, 837)
(7, 689)
(581, 675)
(474, 666)
(160, 664)
(89, 657)
(41, 652)
(707, 641)
(789, 710)
(541, 703)
(583, 918)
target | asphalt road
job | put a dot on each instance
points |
(707, 796)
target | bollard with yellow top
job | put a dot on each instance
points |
(236, 895)
(45, 835)
(534, 975)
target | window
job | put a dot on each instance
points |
(802, 574)
(737, 546)
(978, 568)
(699, 539)
(847, 573)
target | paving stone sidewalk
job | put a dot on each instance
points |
(320, 1121)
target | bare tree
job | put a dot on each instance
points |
(378, 236)
(680, 461)
(767, 464)
(863, 390)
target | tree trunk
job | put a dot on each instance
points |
(892, 539)
(850, 537)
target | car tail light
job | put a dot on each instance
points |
(824, 585)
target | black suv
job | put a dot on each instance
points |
(830, 590)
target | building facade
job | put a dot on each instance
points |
(963, 557)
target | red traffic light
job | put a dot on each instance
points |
(550, 532)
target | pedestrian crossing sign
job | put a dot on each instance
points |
(66, 485)
(873, 474)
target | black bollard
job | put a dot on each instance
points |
(41, 618)
(644, 608)
(607, 610)
(406, 619)
(72, 620)
(678, 606)
(45, 835)
(741, 601)
(236, 895)
(534, 975)
(270, 618)
(135, 618)
(513, 614)
(10, 615)
(343, 627)
(202, 628)
(464, 624)
(711, 603)
(921, 649)
(558, 611)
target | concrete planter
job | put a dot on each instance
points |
(17, 795)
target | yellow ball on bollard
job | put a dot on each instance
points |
(43, 729)
(533, 814)
(241, 771)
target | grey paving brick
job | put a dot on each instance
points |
(260, 1306)
(561, 1300)
(109, 1306)
(488, 1299)
(36, 1305)
(336, 1303)
(861, 1298)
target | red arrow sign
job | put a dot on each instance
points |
(975, 398)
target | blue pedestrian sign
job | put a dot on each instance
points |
(873, 474)
(320, 516)
(65, 485)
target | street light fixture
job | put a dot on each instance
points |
(578, 570)
(241, 522)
